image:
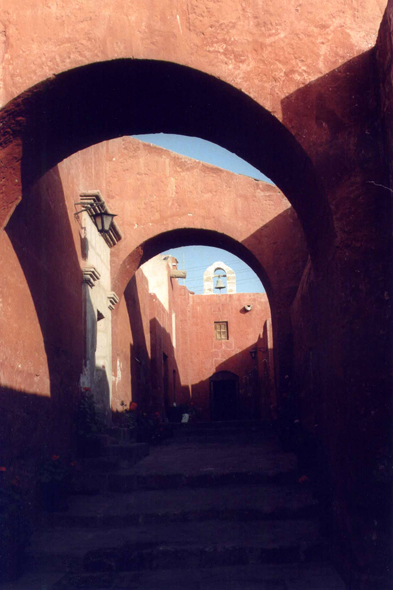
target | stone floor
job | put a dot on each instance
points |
(207, 511)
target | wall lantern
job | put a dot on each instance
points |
(254, 351)
(103, 221)
(102, 218)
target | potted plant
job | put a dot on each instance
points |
(128, 419)
(90, 426)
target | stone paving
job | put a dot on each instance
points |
(204, 512)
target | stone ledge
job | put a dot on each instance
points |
(113, 300)
(90, 275)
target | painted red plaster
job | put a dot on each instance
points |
(315, 69)
(299, 42)
(183, 334)
(208, 355)
(23, 366)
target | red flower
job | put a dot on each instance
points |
(3, 469)
(55, 457)
(303, 479)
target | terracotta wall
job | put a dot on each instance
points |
(166, 192)
(146, 343)
(172, 340)
(209, 355)
(41, 327)
(299, 42)
(341, 316)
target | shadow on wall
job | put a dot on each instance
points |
(165, 379)
(340, 318)
(42, 239)
(345, 120)
(24, 421)
(95, 375)
(139, 350)
(277, 252)
(281, 245)
(255, 390)
(154, 372)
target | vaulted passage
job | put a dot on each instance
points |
(91, 368)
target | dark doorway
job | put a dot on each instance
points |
(224, 396)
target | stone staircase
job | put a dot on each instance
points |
(215, 508)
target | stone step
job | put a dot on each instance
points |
(122, 435)
(302, 576)
(236, 503)
(127, 480)
(175, 546)
(204, 465)
(216, 428)
(132, 452)
(93, 473)
(206, 433)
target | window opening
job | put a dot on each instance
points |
(221, 330)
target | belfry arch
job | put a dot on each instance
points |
(218, 267)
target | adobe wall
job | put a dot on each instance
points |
(165, 191)
(384, 52)
(132, 343)
(299, 42)
(174, 327)
(209, 356)
(315, 69)
(48, 262)
(341, 317)
(149, 330)
(155, 192)
(41, 328)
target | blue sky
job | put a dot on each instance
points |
(196, 259)
(200, 149)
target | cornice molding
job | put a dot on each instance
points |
(90, 275)
(113, 300)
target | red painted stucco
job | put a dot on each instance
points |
(183, 333)
(210, 356)
(315, 69)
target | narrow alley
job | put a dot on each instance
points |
(283, 477)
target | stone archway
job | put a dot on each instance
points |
(160, 243)
(59, 116)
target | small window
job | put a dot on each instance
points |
(221, 330)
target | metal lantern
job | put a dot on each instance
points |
(103, 221)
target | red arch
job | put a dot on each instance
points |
(188, 237)
(86, 105)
